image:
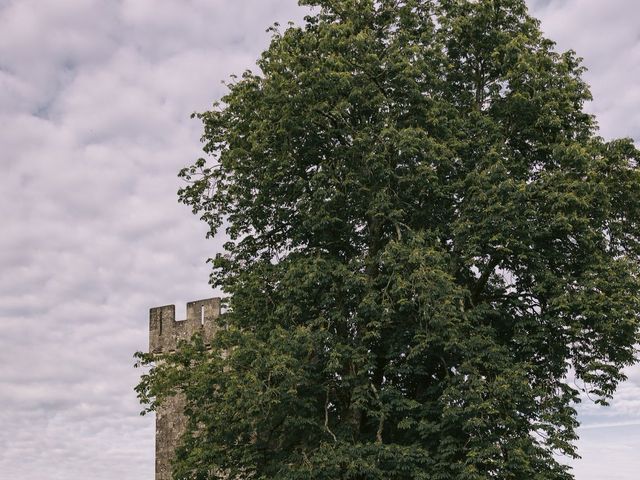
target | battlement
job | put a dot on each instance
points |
(165, 332)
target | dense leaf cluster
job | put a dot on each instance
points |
(427, 238)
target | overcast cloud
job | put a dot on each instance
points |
(95, 98)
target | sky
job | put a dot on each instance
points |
(95, 104)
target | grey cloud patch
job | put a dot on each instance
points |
(609, 453)
(95, 98)
(95, 101)
(607, 37)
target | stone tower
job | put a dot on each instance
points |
(164, 334)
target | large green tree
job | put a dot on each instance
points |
(427, 240)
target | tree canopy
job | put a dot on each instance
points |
(431, 252)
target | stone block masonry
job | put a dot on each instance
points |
(164, 334)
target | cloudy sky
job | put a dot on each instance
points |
(95, 98)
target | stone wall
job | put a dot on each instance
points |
(164, 334)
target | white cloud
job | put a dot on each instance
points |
(95, 104)
(605, 34)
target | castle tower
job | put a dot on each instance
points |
(164, 334)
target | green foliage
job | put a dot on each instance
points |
(427, 237)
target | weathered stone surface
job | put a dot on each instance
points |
(164, 334)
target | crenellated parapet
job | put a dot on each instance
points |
(165, 332)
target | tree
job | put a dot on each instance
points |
(427, 240)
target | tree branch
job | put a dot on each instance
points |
(326, 416)
(484, 278)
